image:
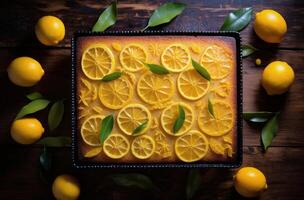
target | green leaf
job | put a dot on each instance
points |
(165, 13)
(269, 131)
(133, 180)
(34, 96)
(193, 183)
(210, 108)
(201, 70)
(247, 50)
(180, 119)
(157, 69)
(237, 20)
(45, 159)
(59, 141)
(258, 117)
(106, 128)
(112, 76)
(139, 128)
(107, 18)
(32, 107)
(55, 114)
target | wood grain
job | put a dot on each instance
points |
(21, 177)
(282, 164)
(133, 15)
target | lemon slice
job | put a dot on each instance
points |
(87, 92)
(154, 88)
(191, 85)
(218, 125)
(217, 61)
(170, 114)
(216, 147)
(97, 61)
(143, 147)
(116, 146)
(132, 116)
(176, 58)
(223, 89)
(116, 94)
(90, 130)
(132, 57)
(192, 146)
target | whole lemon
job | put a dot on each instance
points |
(26, 130)
(66, 187)
(250, 182)
(25, 71)
(50, 30)
(270, 26)
(277, 77)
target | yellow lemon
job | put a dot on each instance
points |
(25, 71)
(50, 30)
(270, 26)
(277, 77)
(66, 187)
(26, 131)
(250, 182)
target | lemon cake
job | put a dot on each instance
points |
(156, 99)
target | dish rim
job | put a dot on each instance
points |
(239, 97)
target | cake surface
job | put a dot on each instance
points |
(146, 105)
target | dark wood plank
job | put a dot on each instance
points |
(19, 18)
(56, 85)
(282, 166)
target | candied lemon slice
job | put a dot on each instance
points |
(191, 85)
(162, 147)
(154, 88)
(192, 146)
(217, 61)
(90, 130)
(170, 114)
(216, 147)
(176, 58)
(222, 89)
(93, 152)
(132, 116)
(116, 146)
(97, 61)
(143, 147)
(87, 93)
(132, 57)
(115, 94)
(222, 121)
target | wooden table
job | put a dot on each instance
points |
(283, 164)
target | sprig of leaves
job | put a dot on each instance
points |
(32, 107)
(247, 50)
(106, 127)
(112, 76)
(56, 114)
(165, 13)
(139, 128)
(157, 69)
(201, 70)
(133, 180)
(179, 120)
(107, 18)
(45, 165)
(270, 128)
(193, 183)
(59, 141)
(237, 20)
